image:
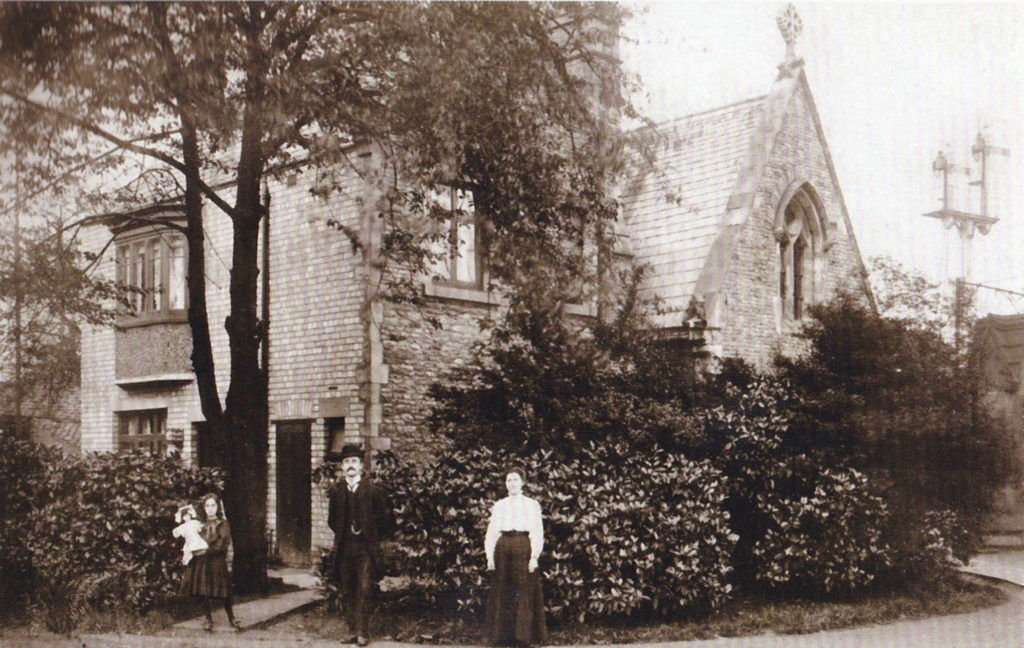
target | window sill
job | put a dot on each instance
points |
(150, 319)
(456, 292)
(155, 380)
(584, 310)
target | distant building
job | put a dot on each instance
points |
(50, 419)
(999, 341)
(740, 217)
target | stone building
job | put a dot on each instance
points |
(740, 217)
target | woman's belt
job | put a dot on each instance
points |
(515, 533)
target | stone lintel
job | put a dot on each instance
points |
(334, 407)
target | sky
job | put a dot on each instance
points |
(893, 83)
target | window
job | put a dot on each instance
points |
(800, 234)
(461, 258)
(579, 259)
(334, 427)
(142, 430)
(153, 266)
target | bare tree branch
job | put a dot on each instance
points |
(129, 146)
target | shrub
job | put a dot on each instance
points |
(805, 520)
(627, 533)
(98, 532)
(23, 466)
(543, 380)
(929, 547)
(910, 405)
(829, 541)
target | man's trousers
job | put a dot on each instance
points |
(356, 589)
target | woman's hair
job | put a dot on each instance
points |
(220, 505)
(514, 468)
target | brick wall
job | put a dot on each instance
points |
(316, 334)
(98, 388)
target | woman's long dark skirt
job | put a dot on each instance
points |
(515, 604)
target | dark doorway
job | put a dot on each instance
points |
(293, 492)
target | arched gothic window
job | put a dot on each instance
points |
(800, 232)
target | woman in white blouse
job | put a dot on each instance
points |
(515, 538)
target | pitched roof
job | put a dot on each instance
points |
(1002, 342)
(675, 205)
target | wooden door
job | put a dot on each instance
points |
(293, 492)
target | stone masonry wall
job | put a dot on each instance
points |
(418, 354)
(753, 327)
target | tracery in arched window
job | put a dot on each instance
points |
(801, 248)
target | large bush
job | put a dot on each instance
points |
(96, 531)
(23, 469)
(627, 533)
(909, 403)
(543, 380)
(807, 522)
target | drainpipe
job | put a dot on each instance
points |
(265, 314)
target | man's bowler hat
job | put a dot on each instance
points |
(348, 450)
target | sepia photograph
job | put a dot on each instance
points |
(511, 323)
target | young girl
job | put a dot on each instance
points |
(189, 528)
(206, 576)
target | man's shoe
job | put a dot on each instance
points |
(363, 641)
(208, 625)
(236, 624)
(351, 639)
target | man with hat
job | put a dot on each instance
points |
(359, 516)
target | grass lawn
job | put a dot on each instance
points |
(743, 616)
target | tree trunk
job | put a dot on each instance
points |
(198, 319)
(245, 413)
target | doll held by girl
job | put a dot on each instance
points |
(189, 527)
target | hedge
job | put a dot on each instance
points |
(96, 531)
(626, 533)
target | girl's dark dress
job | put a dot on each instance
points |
(207, 573)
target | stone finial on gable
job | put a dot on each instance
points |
(790, 25)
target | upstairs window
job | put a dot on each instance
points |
(461, 256)
(153, 266)
(800, 233)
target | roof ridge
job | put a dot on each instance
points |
(735, 104)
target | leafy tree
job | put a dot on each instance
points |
(910, 407)
(543, 379)
(45, 292)
(513, 101)
(911, 298)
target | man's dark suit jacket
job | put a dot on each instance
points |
(373, 515)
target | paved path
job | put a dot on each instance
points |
(998, 627)
(254, 614)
